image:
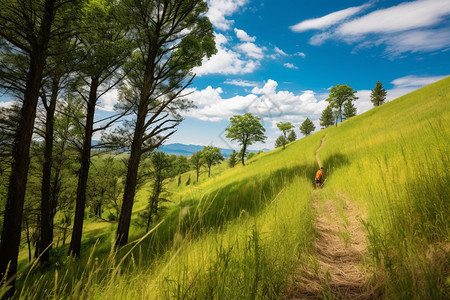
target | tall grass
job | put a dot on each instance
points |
(394, 161)
(239, 234)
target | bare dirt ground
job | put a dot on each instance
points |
(335, 270)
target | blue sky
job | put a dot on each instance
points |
(278, 59)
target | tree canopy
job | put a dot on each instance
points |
(307, 127)
(378, 95)
(340, 94)
(327, 117)
(211, 155)
(285, 127)
(245, 129)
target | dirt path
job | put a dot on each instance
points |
(334, 272)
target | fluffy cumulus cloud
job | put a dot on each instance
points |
(227, 61)
(407, 27)
(290, 66)
(266, 102)
(220, 9)
(243, 36)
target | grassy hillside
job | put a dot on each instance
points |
(243, 232)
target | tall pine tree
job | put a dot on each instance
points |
(349, 110)
(378, 95)
(327, 118)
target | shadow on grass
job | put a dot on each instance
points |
(334, 162)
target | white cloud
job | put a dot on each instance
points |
(220, 9)
(226, 61)
(8, 104)
(328, 20)
(108, 100)
(251, 50)
(405, 16)
(415, 81)
(301, 54)
(243, 36)
(290, 66)
(240, 82)
(407, 27)
(279, 51)
(265, 102)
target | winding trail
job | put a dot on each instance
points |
(334, 270)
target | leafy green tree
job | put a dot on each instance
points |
(349, 110)
(378, 95)
(251, 155)
(172, 37)
(285, 128)
(340, 94)
(180, 165)
(197, 162)
(233, 159)
(327, 118)
(307, 127)
(245, 129)
(280, 142)
(27, 28)
(211, 155)
(292, 136)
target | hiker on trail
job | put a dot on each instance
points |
(318, 178)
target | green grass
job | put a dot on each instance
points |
(241, 233)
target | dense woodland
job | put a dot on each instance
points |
(58, 58)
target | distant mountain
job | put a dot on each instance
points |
(188, 150)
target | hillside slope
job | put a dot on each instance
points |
(244, 232)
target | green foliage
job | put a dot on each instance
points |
(339, 95)
(378, 95)
(349, 110)
(233, 158)
(250, 155)
(307, 127)
(292, 136)
(188, 181)
(280, 142)
(197, 161)
(285, 128)
(245, 129)
(327, 118)
(211, 156)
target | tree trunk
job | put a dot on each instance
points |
(244, 148)
(10, 240)
(85, 162)
(130, 185)
(46, 206)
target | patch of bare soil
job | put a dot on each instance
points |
(335, 272)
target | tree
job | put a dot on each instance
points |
(211, 155)
(245, 129)
(327, 118)
(280, 142)
(103, 54)
(197, 162)
(160, 171)
(233, 158)
(378, 95)
(307, 127)
(292, 136)
(28, 30)
(340, 94)
(349, 110)
(172, 37)
(284, 127)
